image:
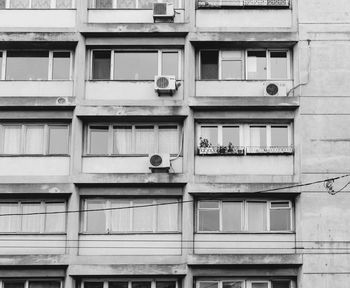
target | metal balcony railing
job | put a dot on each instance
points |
(243, 3)
(238, 150)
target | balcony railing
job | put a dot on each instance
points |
(221, 150)
(243, 3)
(36, 4)
(270, 150)
(240, 151)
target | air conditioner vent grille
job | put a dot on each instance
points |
(156, 160)
(160, 9)
(163, 82)
(272, 89)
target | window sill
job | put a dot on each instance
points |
(35, 155)
(245, 233)
(128, 233)
(123, 155)
(243, 80)
(131, 80)
(35, 80)
(41, 9)
(32, 234)
(127, 9)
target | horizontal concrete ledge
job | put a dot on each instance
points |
(35, 114)
(135, 28)
(245, 179)
(154, 178)
(143, 41)
(37, 188)
(208, 103)
(245, 259)
(38, 35)
(117, 111)
(51, 102)
(132, 103)
(35, 180)
(34, 260)
(131, 269)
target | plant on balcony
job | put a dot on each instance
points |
(205, 147)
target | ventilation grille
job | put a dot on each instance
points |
(272, 89)
(156, 160)
(163, 82)
(160, 9)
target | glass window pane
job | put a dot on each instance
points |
(279, 136)
(256, 65)
(58, 140)
(210, 133)
(203, 284)
(280, 219)
(258, 136)
(9, 223)
(98, 139)
(126, 3)
(64, 4)
(117, 284)
(209, 65)
(122, 140)
(12, 139)
(260, 285)
(143, 216)
(93, 284)
(168, 139)
(19, 4)
(61, 66)
(34, 143)
(146, 4)
(209, 220)
(165, 284)
(103, 4)
(232, 284)
(280, 284)
(135, 65)
(208, 204)
(145, 140)
(230, 134)
(170, 63)
(101, 65)
(95, 220)
(167, 218)
(2, 6)
(231, 69)
(280, 205)
(27, 65)
(55, 222)
(31, 223)
(257, 216)
(13, 284)
(279, 65)
(120, 218)
(141, 284)
(41, 4)
(231, 216)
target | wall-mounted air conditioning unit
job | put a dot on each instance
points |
(163, 11)
(159, 162)
(274, 89)
(165, 85)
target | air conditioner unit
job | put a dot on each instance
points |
(274, 89)
(165, 84)
(159, 162)
(163, 11)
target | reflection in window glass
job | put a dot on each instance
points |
(61, 65)
(232, 284)
(208, 216)
(280, 284)
(34, 142)
(256, 65)
(258, 136)
(101, 65)
(141, 284)
(13, 284)
(93, 284)
(31, 223)
(231, 69)
(279, 135)
(58, 140)
(63, 4)
(170, 63)
(2, 6)
(279, 67)
(165, 284)
(126, 4)
(41, 4)
(280, 216)
(99, 139)
(12, 139)
(143, 216)
(260, 285)
(257, 216)
(9, 223)
(55, 222)
(203, 284)
(122, 140)
(95, 220)
(120, 218)
(230, 134)
(231, 216)
(209, 65)
(19, 4)
(135, 65)
(168, 138)
(167, 217)
(210, 133)
(103, 4)
(27, 65)
(145, 140)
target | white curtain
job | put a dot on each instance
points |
(120, 218)
(257, 216)
(123, 140)
(258, 136)
(12, 139)
(145, 142)
(168, 139)
(64, 4)
(210, 133)
(34, 142)
(167, 217)
(143, 216)
(31, 223)
(41, 4)
(9, 223)
(19, 4)
(96, 220)
(55, 222)
(232, 216)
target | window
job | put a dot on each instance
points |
(31, 283)
(136, 283)
(147, 215)
(131, 4)
(36, 221)
(232, 64)
(244, 215)
(34, 139)
(142, 65)
(221, 134)
(36, 65)
(36, 4)
(246, 283)
(130, 139)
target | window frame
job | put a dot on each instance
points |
(220, 132)
(43, 218)
(244, 60)
(247, 281)
(112, 63)
(178, 5)
(108, 216)
(49, 68)
(244, 216)
(268, 133)
(110, 145)
(46, 138)
(53, 5)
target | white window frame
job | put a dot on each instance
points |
(268, 133)
(220, 132)
(23, 138)
(244, 215)
(221, 282)
(52, 5)
(43, 207)
(129, 280)
(247, 282)
(159, 64)
(132, 202)
(290, 208)
(133, 127)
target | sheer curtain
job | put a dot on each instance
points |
(120, 218)
(31, 223)
(123, 140)
(210, 133)
(41, 4)
(257, 216)
(34, 143)
(258, 136)
(55, 222)
(9, 223)
(103, 4)
(167, 217)
(145, 137)
(64, 4)
(12, 139)
(19, 4)
(168, 137)
(143, 216)
(96, 220)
